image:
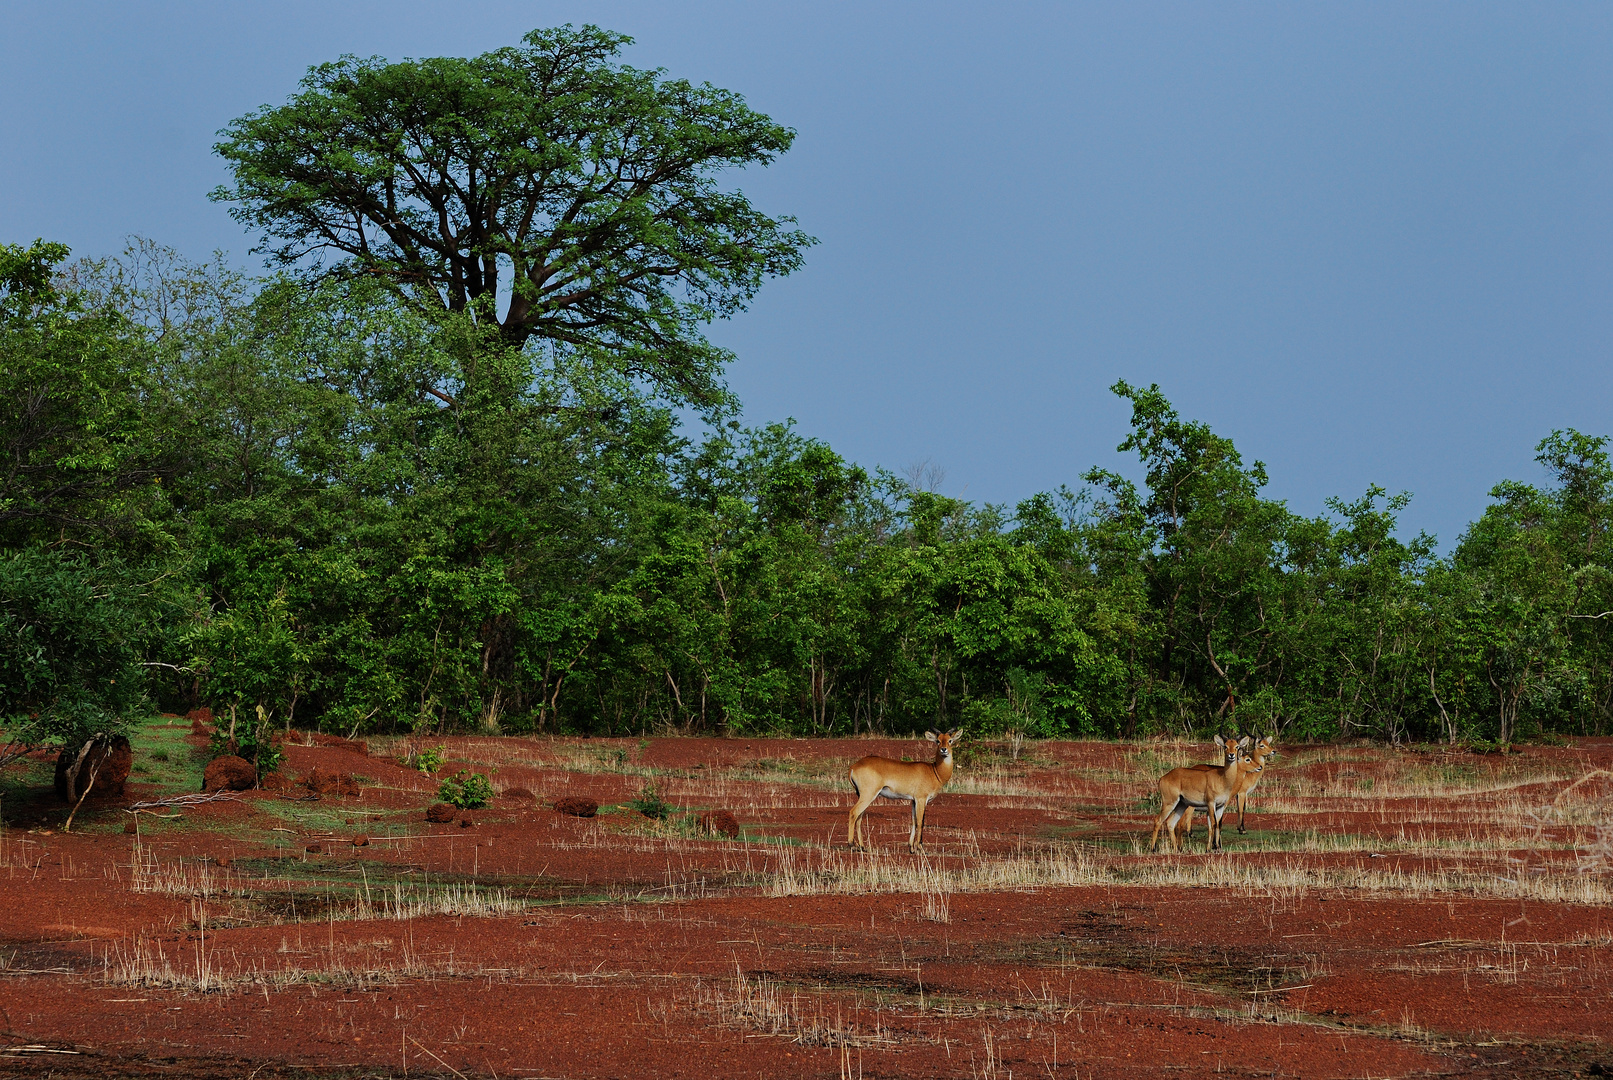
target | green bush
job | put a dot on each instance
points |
(650, 804)
(69, 647)
(253, 740)
(466, 790)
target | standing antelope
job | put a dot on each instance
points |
(1230, 753)
(1264, 749)
(1181, 789)
(916, 781)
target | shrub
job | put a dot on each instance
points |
(466, 790)
(254, 741)
(650, 804)
(69, 648)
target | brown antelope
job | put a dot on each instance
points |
(1210, 791)
(1230, 753)
(916, 781)
(1264, 749)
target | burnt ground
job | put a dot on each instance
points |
(1387, 913)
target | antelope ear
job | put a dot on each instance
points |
(1245, 741)
(931, 736)
(955, 734)
(1219, 741)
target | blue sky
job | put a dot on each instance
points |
(1372, 243)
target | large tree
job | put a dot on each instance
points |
(579, 194)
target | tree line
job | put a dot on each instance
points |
(431, 474)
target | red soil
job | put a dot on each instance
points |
(636, 947)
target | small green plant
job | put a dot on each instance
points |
(254, 741)
(650, 804)
(466, 790)
(429, 761)
(159, 755)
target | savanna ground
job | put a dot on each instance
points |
(1390, 912)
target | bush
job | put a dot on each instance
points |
(429, 761)
(69, 657)
(650, 804)
(254, 741)
(466, 790)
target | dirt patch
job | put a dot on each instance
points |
(331, 784)
(1355, 929)
(334, 742)
(720, 823)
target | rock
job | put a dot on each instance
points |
(314, 849)
(229, 773)
(516, 793)
(361, 841)
(441, 813)
(576, 806)
(466, 823)
(106, 762)
(130, 828)
(720, 823)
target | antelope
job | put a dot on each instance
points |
(1208, 790)
(1264, 749)
(916, 781)
(1230, 752)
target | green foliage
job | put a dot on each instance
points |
(601, 199)
(363, 499)
(71, 637)
(254, 739)
(85, 455)
(466, 790)
(650, 804)
(429, 761)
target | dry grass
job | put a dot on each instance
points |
(148, 874)
(418, 903)
(995, 780)
(836, 873)
(147, 965)
(760, 1005)
(202, 882)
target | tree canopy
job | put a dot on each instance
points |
(241, 499)
(578, 193)
(360, 496)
